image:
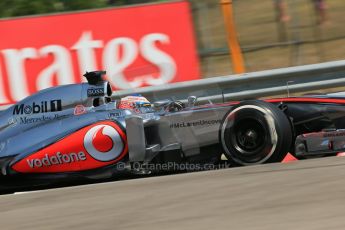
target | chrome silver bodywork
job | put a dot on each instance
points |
(50, 115)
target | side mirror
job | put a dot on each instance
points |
(191, 101)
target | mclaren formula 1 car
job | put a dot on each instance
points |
(76, 131)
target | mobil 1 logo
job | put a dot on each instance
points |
(38, 107)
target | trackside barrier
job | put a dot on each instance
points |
(266, 83)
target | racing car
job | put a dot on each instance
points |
(78, 131)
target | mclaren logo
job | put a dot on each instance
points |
(41, 107)
(103, 143)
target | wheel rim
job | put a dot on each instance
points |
(252, 144)
(248, 136)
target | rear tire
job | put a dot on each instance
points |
(255, 132)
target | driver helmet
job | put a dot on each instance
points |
(133, 101)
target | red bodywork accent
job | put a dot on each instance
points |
(307, 100)
(277, 100)
(71, 148)
(102, 143)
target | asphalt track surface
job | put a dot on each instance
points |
(304, 195)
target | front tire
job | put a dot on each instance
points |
(255, 132)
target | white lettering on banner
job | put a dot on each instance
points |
(117, 55)
(3, 98)
(15, 65)
(61, 67)
(85, 52)
(163, 61)
(116, 65)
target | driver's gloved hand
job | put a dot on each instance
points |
(176, 106)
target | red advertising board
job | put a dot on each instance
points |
(138, 46)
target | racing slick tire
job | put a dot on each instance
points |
(255, 132)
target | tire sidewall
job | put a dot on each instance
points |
(277, 137)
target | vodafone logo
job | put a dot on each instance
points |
(103, 143)
(94, 146)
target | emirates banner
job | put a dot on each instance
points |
(138, 46)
